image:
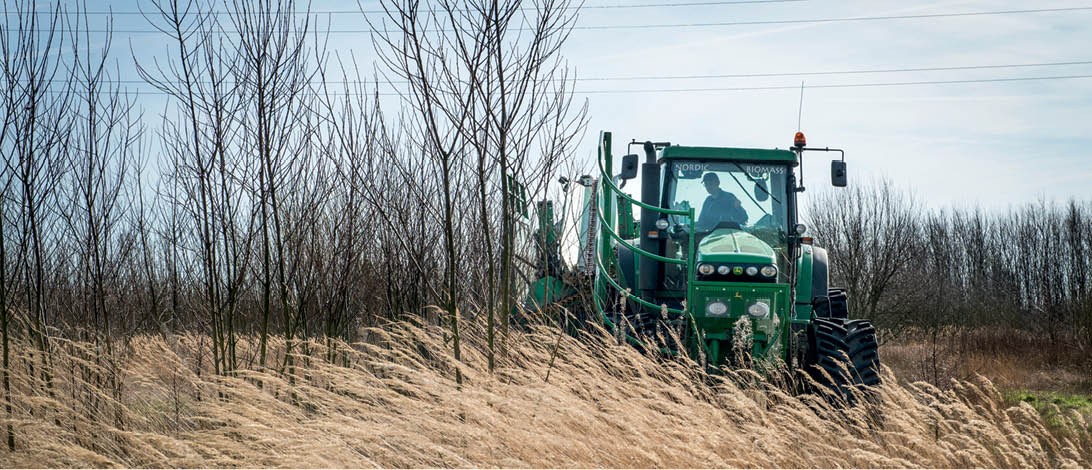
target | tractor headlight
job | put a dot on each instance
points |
(706, 269)
(758, 309)
(769, 271)
(723, 269)
(716, 309)
(752, 271)
(661, 224)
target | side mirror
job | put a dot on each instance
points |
(838, 173)
(629, 167)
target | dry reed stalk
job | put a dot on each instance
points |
(391, 401)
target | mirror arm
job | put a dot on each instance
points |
(800, 155)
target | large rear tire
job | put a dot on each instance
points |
(833, 305)
(842, 357)
(826, 354)
(838, 303)
(863, 352)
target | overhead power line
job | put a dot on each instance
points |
(837, 20)
(572, 7)
(846, 85)
(732, 75)
(745, 88)
(716, 24)
(835, 72)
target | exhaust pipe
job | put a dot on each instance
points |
(650, 270)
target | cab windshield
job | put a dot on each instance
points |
(741, 195)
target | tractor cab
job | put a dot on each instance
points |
(740, 201)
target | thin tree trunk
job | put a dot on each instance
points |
(4, 326)
(490, 303)
(452, 266)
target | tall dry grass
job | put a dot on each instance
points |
(390, 401)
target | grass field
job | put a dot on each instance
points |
(391, 401)
(1016, 360)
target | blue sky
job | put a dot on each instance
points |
(991, 144)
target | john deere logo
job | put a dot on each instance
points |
(737, 270)
(738, 295)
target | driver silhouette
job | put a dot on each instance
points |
(719, 206)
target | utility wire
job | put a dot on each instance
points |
(742, 88)
(847, 85)
(734, 75)
(694, 25)
(837, 20)
(570, 7)
(834, 72)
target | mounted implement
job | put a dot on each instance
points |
(716, 258)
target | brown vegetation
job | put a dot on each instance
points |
(392, 401)
(1012, 359)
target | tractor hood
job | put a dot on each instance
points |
(729, 245)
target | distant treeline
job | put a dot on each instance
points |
(908, 267)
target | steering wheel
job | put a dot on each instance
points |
(679, 231)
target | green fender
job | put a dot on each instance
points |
(812, 279)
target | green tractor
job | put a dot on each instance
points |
(716, 260)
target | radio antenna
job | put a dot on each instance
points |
(800, 112)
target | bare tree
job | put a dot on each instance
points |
(351, 139)
(199, 146)
(93, 201)
(38, 98)
(528, 101)
(1079, 267)
(485, 78)
(418, 51)
(274, 74)
(104, 130)
(872, 232)
(10, 90)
